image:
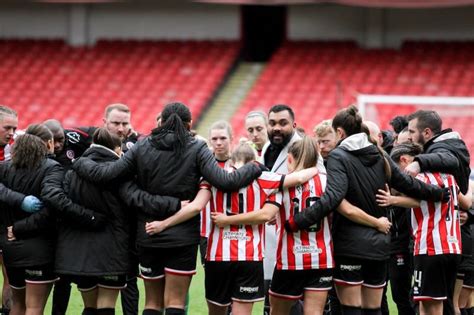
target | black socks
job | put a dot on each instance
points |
(174, 311)
(351, 310)
(89, 311)
(372, 311)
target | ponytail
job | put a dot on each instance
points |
(305, 152)
(175, 119)
(350, 121)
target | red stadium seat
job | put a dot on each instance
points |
(45, 79)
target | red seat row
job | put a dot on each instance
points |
(43, 79)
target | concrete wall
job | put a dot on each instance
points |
(183, 19)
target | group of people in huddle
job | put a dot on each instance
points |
(310, 224)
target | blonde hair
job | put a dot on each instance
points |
(244, 153)
(221, 125)
(305, 152)
(323, 128)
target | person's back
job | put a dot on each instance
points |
(161, 172)
(109, 240)
(366, 175)
(33, 250)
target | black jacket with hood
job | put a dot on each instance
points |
(356, 172)
(161, 171)
(101, 249)
(447, 153)
(35, 233)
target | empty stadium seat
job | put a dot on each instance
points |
(318, 78)
(44, 79)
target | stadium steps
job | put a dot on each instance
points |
(231, 95)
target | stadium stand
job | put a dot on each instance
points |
(45, 79)
(318, 78)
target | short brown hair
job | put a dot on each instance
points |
(107, 139)
(118, 106)
(427, 119)
(41, 131)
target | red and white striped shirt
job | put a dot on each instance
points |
(435, 225)
(305, 249)
(206, 212)
(241, 242)
(5, 151)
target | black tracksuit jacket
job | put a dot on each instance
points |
(158, 170)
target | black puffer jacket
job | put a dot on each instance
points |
(35, 233)
(160, 172)
(356, 172)
(96, 250)
(447, 153)
(10, 197)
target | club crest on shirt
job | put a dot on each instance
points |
(70, 154)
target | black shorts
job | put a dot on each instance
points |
(434, 276)
(291, 284)
(87, 283)
(155, 262)
(365, 272)
(227, 281)
(20, 276)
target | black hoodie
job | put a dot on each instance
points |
(355, 172)
(159, 171)
(447, 153)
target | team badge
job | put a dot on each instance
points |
(70, 154)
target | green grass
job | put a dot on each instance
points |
(197, 302)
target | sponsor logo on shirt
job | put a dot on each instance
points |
(351, 267)
(452, 239)
(307, 249)
(248, 289)
(238, 236)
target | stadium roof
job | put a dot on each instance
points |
(364, 3)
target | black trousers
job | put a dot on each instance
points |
(129, 297)
(400, 276)
(61, 293)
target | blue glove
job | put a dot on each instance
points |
(31, 204)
